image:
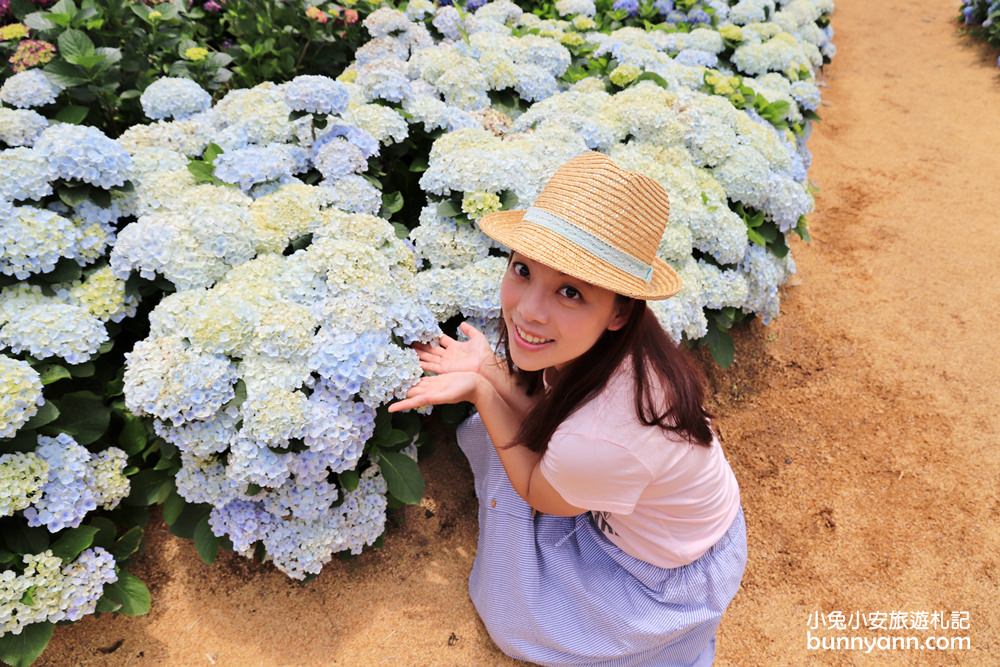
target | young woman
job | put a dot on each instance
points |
(610, 525)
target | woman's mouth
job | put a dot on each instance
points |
(529, 342)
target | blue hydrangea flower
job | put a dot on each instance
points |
(696, 57)
(255, 164)
(30, 88)
(630, 6)
(698, 16)
(339, 158)
(473, 5)
(173, 97)
(316, 94)
(26, 175)
(243, 521)
(20, 127)
(355, 135)
(447, 21)
(85, 154)
(664, 7)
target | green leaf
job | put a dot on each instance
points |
(654, 77)
(149, 487)
(106, 531)
(133, 437)
(74, 43)
(508, 200)
(203, 172)
(402, 231)
(802, 229)
(73, 195)
(720, 344)
(84, 416)
(402, 476)
(131, 593)
(46, 414)
(72, 113)
(87, 61)
(755, 236)
(52, 373)
(393, 438)
(418, 164)
(23, 649)
(349, 480)
(189, 519)
(23, 539)
(73, 541)
(212, 151)
(448, 209)
(127, 544)
(172, 508)
(205, 541)
(84, 370)
(391, 202)
(64, 74)
(106, 605)
(38, 21)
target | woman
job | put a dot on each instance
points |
(610, 525)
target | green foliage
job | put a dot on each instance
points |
(23, 649)
(109, 51)
(128, 596)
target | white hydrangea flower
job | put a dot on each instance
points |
(30, 88)
(21, 127)
(173, 97)
(22, 476)
(20, 396)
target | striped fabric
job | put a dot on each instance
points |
(555, 591)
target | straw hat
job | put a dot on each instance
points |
(596, 222)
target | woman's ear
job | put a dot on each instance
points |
(622, 313)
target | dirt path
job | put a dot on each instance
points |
(861, 425)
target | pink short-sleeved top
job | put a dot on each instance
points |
(656, 496)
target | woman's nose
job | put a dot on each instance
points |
(532, 307)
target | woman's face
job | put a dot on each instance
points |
(543, 303)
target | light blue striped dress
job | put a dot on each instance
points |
(554, 590)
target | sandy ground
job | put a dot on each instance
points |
(861, 425)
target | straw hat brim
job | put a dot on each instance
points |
(542, 245)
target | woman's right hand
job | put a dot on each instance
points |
(454, 356)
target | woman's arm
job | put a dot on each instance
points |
(502, 423)
(495, 371)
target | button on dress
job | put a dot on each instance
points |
(554, 590)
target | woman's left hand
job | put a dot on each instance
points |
(455, 387)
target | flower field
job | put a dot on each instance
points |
(213, 260)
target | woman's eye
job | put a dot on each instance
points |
(573, 293)
(516, 271)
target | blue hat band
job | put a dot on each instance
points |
(592, 244)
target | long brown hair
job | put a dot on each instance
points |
(652, 349)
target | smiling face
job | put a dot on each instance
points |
(568, 313)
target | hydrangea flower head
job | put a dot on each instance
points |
(172, 97)
(30, 88)
(78, 152)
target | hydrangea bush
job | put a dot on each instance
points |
(269, 367)
(69, 514)
(982, 19)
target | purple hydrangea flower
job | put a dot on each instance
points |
(698, 16)
(473, 5)
(664, 7)
(631, 6)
